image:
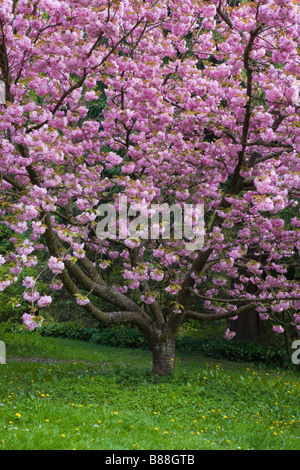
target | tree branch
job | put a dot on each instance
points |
(106, 317)
(242, 300)
(15, 183)
(246, 124)
(60, 102)
(216, 316)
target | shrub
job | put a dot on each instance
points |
(121, 336)
(127, 337)
(244, 351)
(67, 330)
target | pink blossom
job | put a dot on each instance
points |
(113, 159)
(82, 110)
(29, 212)
(296, 93)
(209, 11)
(4, 284)
(149, 299)
(273, 94)
(134, 285)
(173, 289)
(265, 204)
(31, 296)
(82, 301)
(38, 228)
(128, 168)
(296, 319)
(29, 282)
(278, 328)
(31, 321)
(104, 264)
(56, 265)
(229, 334)
(56, 285)
(263, 316)
(169, 130)
(130, 243)
(157, 275)
(44, 301)
(78, 250)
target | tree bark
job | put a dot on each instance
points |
(163, 352)
(248, 326)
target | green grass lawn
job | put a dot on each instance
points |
(58, 394)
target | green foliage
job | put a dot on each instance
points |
(121, 336)
(61, 394)
(240, 351)
(5, 244)
(12, 304)
(67, 330)
(127, 337)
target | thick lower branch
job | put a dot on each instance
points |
(15, 183)
(216, 316)
(243, 300)
(106, 317)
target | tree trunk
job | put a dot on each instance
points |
(248, 326)
(163, 352)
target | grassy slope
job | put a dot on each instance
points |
(62, 394)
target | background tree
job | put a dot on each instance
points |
(200, 100)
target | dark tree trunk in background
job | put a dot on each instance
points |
(248, 326)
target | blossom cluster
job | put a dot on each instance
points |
(32, 321)
(198, 103)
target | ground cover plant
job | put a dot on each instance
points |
(66, 394)
(117, 106)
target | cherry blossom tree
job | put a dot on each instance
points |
(199, 105)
